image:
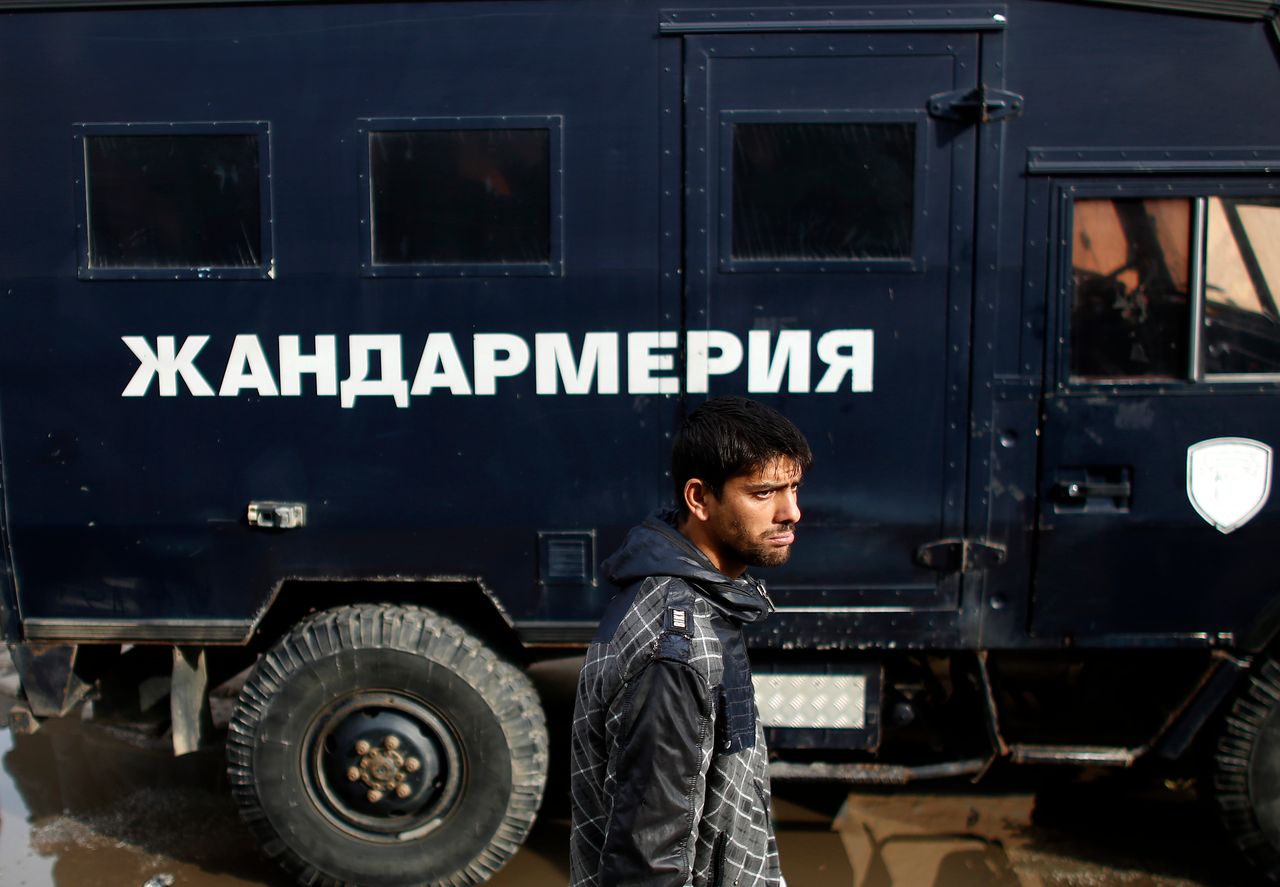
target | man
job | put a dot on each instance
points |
(670, 784)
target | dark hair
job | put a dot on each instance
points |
(728, 436)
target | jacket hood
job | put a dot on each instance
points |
(656, 548)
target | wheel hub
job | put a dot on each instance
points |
(384, 769)
(383, 764)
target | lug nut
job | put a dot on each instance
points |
(374, 796)
(353, 773)
(391, 742)
(362, 747)
(413, 765)
(402, 790)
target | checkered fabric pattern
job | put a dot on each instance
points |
(731, 841)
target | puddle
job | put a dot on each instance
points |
(19, 863)
(84, 806)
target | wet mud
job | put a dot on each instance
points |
(84, 804)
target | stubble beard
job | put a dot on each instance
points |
(759, 552)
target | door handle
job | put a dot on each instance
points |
(277, 515)
(1092, 488)
(1074, 490)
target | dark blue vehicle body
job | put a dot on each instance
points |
(944, 410)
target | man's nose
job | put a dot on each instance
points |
(788, 508)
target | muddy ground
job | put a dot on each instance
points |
(85, 804)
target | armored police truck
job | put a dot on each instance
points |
(344, 339)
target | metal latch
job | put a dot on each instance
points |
(1072, 490)
(960, 555)
(278, 515)
(982, 104)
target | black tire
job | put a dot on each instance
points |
(1246, 778)
(384, 745)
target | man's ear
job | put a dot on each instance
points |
(696, 494)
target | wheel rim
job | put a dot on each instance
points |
(382, 765)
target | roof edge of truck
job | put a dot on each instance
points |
(1241, 9)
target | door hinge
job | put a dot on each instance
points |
(981, 104)
(960, 555)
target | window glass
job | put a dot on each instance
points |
(823, 191)
(461, 196)
(1242, 283)
(173, 201)
(1130, 264)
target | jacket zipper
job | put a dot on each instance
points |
(768, 600)
(717, 860)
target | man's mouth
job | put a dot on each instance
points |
(785, 538)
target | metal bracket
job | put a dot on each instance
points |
(277, 515)
(982, 104)
(960, 555)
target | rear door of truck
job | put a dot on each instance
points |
(824, 195)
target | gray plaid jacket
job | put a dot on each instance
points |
(670, 781)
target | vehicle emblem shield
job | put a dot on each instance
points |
(1228, 480)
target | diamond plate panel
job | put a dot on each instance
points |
(812, 701)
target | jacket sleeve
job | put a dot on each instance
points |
(658, 763)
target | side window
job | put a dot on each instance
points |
(804, 194)
(1130, 267)
(823, 190)
(464, 195)
(1242, 283)
(1174, 288)
(174, 200)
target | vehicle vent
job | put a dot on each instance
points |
(566, 558)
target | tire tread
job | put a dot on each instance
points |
(1231, 761)
(412, 629)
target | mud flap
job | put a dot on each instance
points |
(49, 678)
(189, 700)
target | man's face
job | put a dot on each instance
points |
(752, 522)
